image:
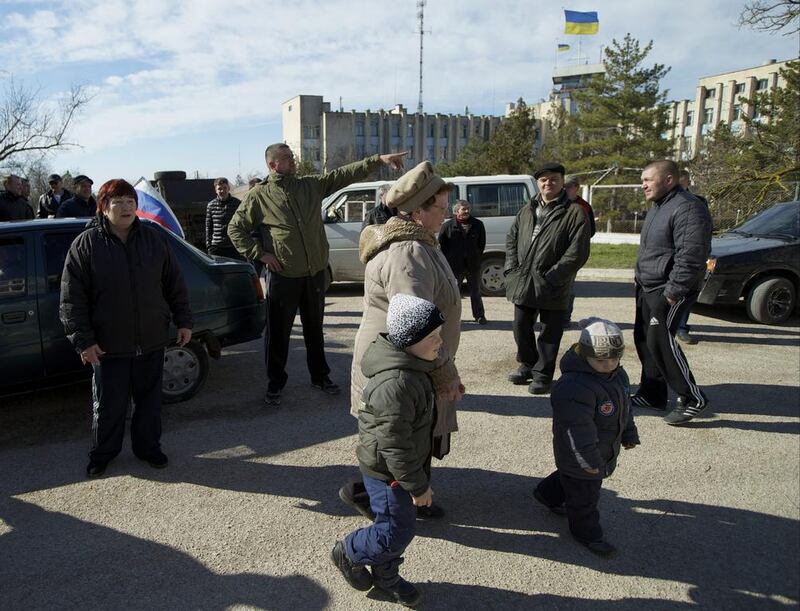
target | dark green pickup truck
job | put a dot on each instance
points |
(226, 297)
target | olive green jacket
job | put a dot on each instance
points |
(289, 208)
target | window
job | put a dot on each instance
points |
(498, 199)
(737, 112)
(708, 116)
(444, 130)
(431, 130)
(762, 84)
(395, 128)
(373, 126)
(410, 132)
(359, 127)
(739, 88)
(689, 117)
(711, 93)
(352, 206)
(13, 275)
(56, 246)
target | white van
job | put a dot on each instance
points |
(495, 200)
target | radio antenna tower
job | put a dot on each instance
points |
(421, 17)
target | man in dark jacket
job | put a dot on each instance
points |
(13, 207)
(546, 246)
(462, 240)
(380, 213)
(120, 288)
(219, 212)
(572, 185)
(51, 200)
(673, 249)
(82, 203)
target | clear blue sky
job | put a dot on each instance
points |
(197, 86)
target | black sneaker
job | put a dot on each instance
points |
(539, 388)
(481, 320)
(685, 410)
(433, 511)
(638, 400)
(357, 575)
(601, 548)
(158, 460)
(684, 337)
(95, 468)
(346, 494)
(556, 509)
(273, 396)
(401, 591)
(521, 376)
(326, 385)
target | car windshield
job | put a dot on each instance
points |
(778, 220)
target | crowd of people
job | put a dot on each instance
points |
(121, 287)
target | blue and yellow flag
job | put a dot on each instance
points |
(562, 48)
(581, 23)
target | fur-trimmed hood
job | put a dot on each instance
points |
(375, 238)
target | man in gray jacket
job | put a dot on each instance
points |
(546, 246)
(673, 250)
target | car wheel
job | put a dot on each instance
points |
(772, 300)
(185, 371)
(492, 280)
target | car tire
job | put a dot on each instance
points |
(185, 371)
(491, 277)
(771, 300)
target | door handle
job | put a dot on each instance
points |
(13, 317)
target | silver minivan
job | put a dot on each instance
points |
(495, 200)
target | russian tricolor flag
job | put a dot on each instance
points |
(152, 206)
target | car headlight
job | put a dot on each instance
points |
(711, 264)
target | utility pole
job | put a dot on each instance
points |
(421, 16)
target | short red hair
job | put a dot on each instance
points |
(116, 187)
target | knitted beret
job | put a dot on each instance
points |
(411, 319)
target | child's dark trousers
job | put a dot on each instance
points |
(580, 497)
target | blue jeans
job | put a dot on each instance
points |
(391, 532)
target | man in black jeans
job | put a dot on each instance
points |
(219, 212)
(463, 239)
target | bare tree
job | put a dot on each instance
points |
(29, 126)
(772, 16)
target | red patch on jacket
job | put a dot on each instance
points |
(606, 408)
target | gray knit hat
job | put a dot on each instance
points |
(601, 339)
(411, 319)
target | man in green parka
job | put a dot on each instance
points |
(288, 207)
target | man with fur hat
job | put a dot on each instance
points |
(287, 208)
(592, 418)
(546, 246)
(394, 448)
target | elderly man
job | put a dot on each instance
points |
(82, 203)
(13, 206)
(546, 246)
(380, 213)
(51, 200)
(219, 212)
(463, 239)
(674, 246)
(287, 207)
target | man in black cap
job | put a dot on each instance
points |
(50, 201)
(80, 204)
(546, 246)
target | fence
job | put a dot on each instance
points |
(622, 208)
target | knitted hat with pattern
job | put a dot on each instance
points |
(411, 319)
(601, 339)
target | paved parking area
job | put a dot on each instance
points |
(707, 515)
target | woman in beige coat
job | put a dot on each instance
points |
(403, 256)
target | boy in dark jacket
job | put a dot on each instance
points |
(395, 425)
(592, 417)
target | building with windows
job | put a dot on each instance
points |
(329, 139)
(720, 98)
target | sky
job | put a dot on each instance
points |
(198, 86)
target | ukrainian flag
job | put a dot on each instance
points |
(581, 23)
(562, 48)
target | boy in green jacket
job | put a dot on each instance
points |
(395, 425)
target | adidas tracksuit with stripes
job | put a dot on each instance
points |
(675, 244)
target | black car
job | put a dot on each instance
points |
(758, 261)
(226, 298)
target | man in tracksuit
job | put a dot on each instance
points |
(673, 250)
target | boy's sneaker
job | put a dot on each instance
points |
(357, 575)
(638, 400)
(346, 494)
(685, 410)
(402, 591)
(601, 548)
(556, 509)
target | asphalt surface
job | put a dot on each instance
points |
(704, 516)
